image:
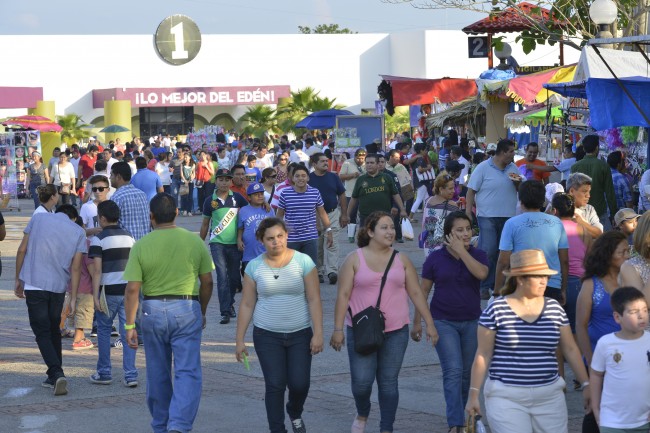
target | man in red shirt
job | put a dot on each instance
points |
(87, 163)
(532, 150)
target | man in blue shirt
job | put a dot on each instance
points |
(621, 186)
(248, 221)
(146, 180)
(533, 229)
(332, 192)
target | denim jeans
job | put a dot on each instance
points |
(187, 200)
(34, 194)
(384, 365)
(202, 193)
(104, 327)
(309, 247)
(572, 290)
(456, 349)
(172, 330)
(227, 261)
(286, 363)
(488, 240)
(44, 310)
(175, 185)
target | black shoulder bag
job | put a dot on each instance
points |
(368, 325)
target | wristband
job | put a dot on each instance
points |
(475, 389)
(329, 229)
(585, 383)
(127, 327)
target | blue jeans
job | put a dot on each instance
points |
(44, 310)
(172, 330)
(309, 247)
(227, 260)
(175, 185)
(456, 349)
(384, 365)
(572, 290)
(34, 194)
(286, 363)
(104, 327)
(187, 200)
(488, 240)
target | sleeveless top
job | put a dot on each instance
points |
(394, 299)
(577, 248)
(433, 222)
(642, 267)
(601, 321)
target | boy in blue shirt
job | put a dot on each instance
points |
(249, 219)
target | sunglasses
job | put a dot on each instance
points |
(282, 159)
(99, 188)
(274, 176)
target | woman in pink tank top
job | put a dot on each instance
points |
(359, 286)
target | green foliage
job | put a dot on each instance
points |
(398, 122)
(260, 120)
(303, 102)
(325, 29)
(72, 125)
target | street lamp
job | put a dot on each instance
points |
(603, 13)
(503, 54)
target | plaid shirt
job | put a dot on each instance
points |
(621, 189)
(134, 210)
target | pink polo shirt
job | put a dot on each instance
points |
(394, 299)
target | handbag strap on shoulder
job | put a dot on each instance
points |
(385, 276)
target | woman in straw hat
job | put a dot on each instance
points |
(517, 338)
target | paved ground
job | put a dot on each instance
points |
(232, 398)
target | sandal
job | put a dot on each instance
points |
(67, 333)
(358, 426)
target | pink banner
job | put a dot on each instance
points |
(194, 96)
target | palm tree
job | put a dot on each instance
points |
(303, 102)
(260, 119)
(73, 128)
(398, 122)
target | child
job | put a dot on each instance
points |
(620, 368)
(625, 220)
(248, 220)
(110, 252)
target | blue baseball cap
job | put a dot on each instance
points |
(254, 187)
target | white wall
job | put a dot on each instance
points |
(345, 67)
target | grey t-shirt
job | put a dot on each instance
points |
(53, 242)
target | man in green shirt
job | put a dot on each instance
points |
(602, 186)
(173, 314)
(375, 191)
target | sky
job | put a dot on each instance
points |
(42, 17)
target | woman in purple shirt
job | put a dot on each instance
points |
(457, 271)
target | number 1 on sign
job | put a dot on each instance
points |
(179, 42)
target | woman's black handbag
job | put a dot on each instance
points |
(368, 325)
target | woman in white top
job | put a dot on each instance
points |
(48, 197)
(165, 174)
(223, 159)
(268, 182)
(63, 176)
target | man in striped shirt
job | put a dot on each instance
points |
(110, 252)
(298, 205)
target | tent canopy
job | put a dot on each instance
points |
(609, 105)
(418, 91)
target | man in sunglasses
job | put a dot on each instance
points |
(100, 188)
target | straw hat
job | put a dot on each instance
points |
(528, 262)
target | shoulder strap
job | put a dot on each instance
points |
(384, 277)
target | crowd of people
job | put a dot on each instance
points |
(564, 268)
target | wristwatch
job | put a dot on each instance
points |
(329, 229)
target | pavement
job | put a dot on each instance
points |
(232, 399)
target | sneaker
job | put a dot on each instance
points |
(93, 333)
(225, 319)
(298, 426)
(351, 239)
(48, 383)
(114, 332)
(61, 386)
(400, 241)
(83, 344)
(321, 279)
(233, 313)
(332, 277)
(117, 343)
(100, 380)
(131, 383)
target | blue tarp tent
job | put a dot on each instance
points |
(609, 105)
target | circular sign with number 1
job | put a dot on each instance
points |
(178, 39)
